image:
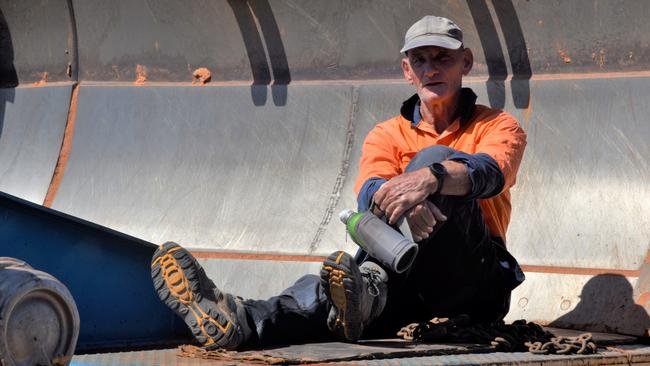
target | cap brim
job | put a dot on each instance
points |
(433, 40)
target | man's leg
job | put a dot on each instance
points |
(220, 320)
(216, 319)
(297, 315)
(357, 294)
(459, 269)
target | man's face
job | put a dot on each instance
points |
(436, 72)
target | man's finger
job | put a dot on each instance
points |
(415, 223)
(428, 220)
(436, 212)
(395, 211)
(378, 197)
(421, 217)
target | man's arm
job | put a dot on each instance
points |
(405, 191)
(379, 162)
(482, 175)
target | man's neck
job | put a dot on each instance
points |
(441, 114)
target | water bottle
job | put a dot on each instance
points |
(380, 240)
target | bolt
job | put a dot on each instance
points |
(565, 304)
(523, 302)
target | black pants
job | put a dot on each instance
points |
(460, 269)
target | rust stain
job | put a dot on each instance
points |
(116, 72)
(316, 258)
(64, 153)
(580, 271)
(191, 351)
(43, 80)
(259, 256)
(565, 56)
(61, 361)
(201, 76)
(599, 57)
(140, 74)
(642, 299)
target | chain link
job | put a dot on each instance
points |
(520, 336)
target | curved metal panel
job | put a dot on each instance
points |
(298, 40)
(37, 36)
(32, 123)
(582, 198)
(203, 166)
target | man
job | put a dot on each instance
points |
(446, 165)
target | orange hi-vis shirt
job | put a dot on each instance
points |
(390, 146)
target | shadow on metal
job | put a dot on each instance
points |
(8, 76)
(606, 305)
(246, 12)
(494, 56)
(106, 272)
(517, 52)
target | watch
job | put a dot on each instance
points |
(440, 172)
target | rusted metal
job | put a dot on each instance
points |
(66, 145)
(334, 352)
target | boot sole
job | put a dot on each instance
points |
(177, 279)
(343, 285)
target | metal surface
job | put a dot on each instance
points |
(262, 164)
(32, 122)
(621, 355)
(204, 167)
(107, 274)
(302, 40)
(582, 196)
(198, 205)
(336, 351)
(35, 40)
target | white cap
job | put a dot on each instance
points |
(345, 215)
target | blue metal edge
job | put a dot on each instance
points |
(107, 272)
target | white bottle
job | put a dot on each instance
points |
(380, 240)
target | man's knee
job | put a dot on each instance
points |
(428, 156)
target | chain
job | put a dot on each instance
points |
(520, 336)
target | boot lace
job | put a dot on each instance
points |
(373, 277)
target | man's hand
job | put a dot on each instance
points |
(403, 192)
(422, 218)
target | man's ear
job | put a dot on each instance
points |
(406, 69)
(468, 61)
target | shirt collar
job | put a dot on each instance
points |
(411, 107)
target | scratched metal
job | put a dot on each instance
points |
(207, 168)
(32, 122)
(582, 197)
(263, 279)
(34, 41)
(365, 349)
(265, 168)
(139, 358)
(304, 40)
(626, 355)
(632, 355)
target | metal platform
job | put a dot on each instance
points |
(249, 170)
(614, 349)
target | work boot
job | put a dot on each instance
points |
(357, 294)
(217, 319)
